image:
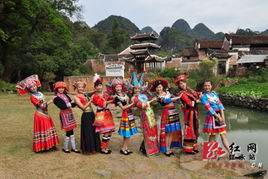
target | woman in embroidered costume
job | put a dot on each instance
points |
(149, 145)
(104, 120)
(89, 139)
(189, 100)
(45, 136)
(68, 123)
(214, 122)
(170, 129)
(128, 126)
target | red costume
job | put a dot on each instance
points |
(191, 117)
(45, 136)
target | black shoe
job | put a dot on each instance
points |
(190, 153)
(105, 152)
(172, 153)
(65, 151)
(130, 152)
(142, 150)
(75, 151)
(167, 154)
(54, 149)
(196, 151)
(124, 152)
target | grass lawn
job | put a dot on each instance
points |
(19, 161)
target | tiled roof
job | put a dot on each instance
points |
(217, 44)
(141, 37)
(252, 59)
(189, 53)
(145, 45)
(247, 39)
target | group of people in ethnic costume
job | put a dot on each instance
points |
(127, 95)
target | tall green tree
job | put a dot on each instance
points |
(36, 36)
(118, 39)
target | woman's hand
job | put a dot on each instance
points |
(220, 119)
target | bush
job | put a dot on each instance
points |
(250, 89)
(242, 81)
(169, 73)
(204, 72)
(85, 70)
(7, 87)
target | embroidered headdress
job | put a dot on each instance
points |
(97, 80)
(179, 78)
(113, 83)
(157, 82)
(24, 85)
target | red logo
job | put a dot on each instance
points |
(212, 151)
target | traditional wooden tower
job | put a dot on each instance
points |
(140, 54)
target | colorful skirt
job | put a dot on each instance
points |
(127, 124)
(90, 140)
(104, 121)
(148, 122)
(67, 120)
(213, 126)
(191, 133)
(170, 122)
(45, 136)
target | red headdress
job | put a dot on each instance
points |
(157, 82)
(60, 84)
(113, 83)
(97, 80)
(24, 85)
(179, 78)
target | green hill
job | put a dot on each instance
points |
(218, 36)
(149, 29)
(183, 26)
(265, 32)
(201, 31)
(125, 24)
(174, 40)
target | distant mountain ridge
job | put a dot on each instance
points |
(106, 25)
(174, 39)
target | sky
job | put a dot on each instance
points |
(219, 15)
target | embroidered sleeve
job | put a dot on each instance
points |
(98, 101)
(197, 93)
(221, 107)
(163, 100)
(38, 103)
(60, 103)
(206, 104)
(35, 101)
(186, 99)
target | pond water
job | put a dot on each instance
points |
(245, 126)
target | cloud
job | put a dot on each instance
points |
(218, 15)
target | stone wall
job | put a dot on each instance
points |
(174, 63)
(260, 104)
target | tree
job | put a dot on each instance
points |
(174, 40)
(118, 39)
(37, 39)
(67, 7)
(246, 31)
(206, 71)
